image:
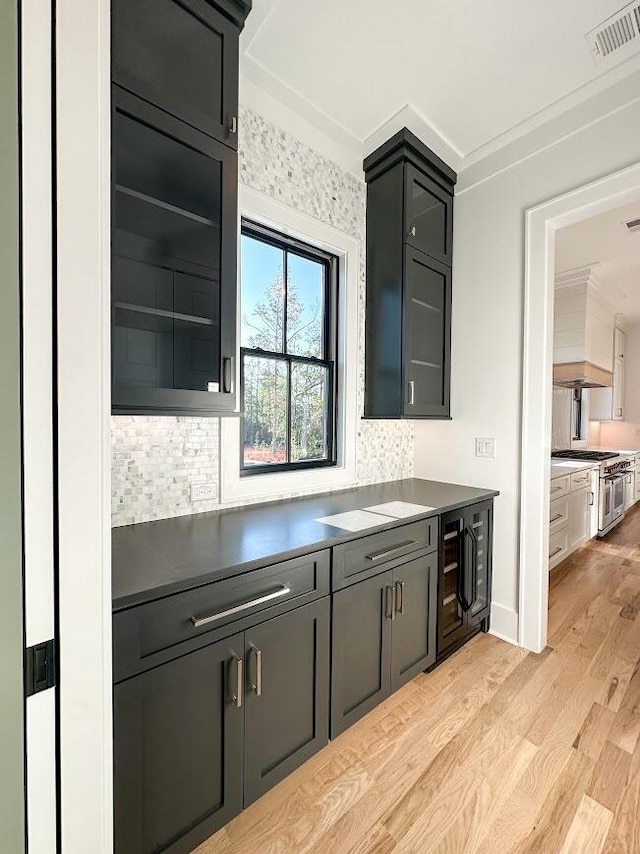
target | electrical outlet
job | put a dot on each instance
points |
(203, 491)
(485, 448)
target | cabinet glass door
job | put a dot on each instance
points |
(428, 215)
(427, 314)
(170, 349)
(479, 526)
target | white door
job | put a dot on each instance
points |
(36, 99)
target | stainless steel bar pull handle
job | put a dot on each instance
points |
(555, 551)
(374, 556)
(556, 517)
(233, 124)
(411, 391)
(412, 231)
(399, 597)
(591, 499)
(256, 685)
(389, 603)
(260, 600)
(235, 695)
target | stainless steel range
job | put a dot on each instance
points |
(611, 494)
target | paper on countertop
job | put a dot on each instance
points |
(400, 509)
(354, 520)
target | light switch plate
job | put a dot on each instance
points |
(485, 448)
(204, 491)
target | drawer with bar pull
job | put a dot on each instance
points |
(150, 634)
(558, 547)
(364, 557)
(560, 486)
(558, 514)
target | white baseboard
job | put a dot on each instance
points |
(504, 623)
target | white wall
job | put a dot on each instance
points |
(488, 277)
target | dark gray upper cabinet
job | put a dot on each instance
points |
(409, 252)
(174, 205)
(182, 56)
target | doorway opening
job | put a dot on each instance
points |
(542, 224)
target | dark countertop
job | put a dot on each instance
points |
(155, 559)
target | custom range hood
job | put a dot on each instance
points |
(583, 331)
(581, 375)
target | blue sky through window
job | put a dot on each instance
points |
(261, 265)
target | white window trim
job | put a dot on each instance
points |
(272, 213)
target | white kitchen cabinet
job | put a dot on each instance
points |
(573, 512)
(594, 501)
(607, 404)
(558, 547)
(618, 390)
(579, 518)
(630, 489)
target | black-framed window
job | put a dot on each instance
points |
(288, 352)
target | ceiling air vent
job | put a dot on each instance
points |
(633, 225)
(617, 37)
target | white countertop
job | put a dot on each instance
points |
(559, 469)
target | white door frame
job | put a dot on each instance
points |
(83, 170)
(541, 224)
(37, 409)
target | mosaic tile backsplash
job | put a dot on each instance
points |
(155, 460)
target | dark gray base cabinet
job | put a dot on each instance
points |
(289, 721)
(178, 744)
(200, 737)
(383, 634)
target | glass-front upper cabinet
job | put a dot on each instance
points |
(429, 215)
(173, 264)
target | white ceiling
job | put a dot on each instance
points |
(605, 240)
(470, 75)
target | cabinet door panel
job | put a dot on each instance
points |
(178, 741)
(427, 310)
(413, 634)
(173, 263)
(287, 691)
(180, 56)
(429, 215)
(361, 648)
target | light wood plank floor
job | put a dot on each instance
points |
(497, 750)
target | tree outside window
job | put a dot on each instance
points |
(288, 337)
